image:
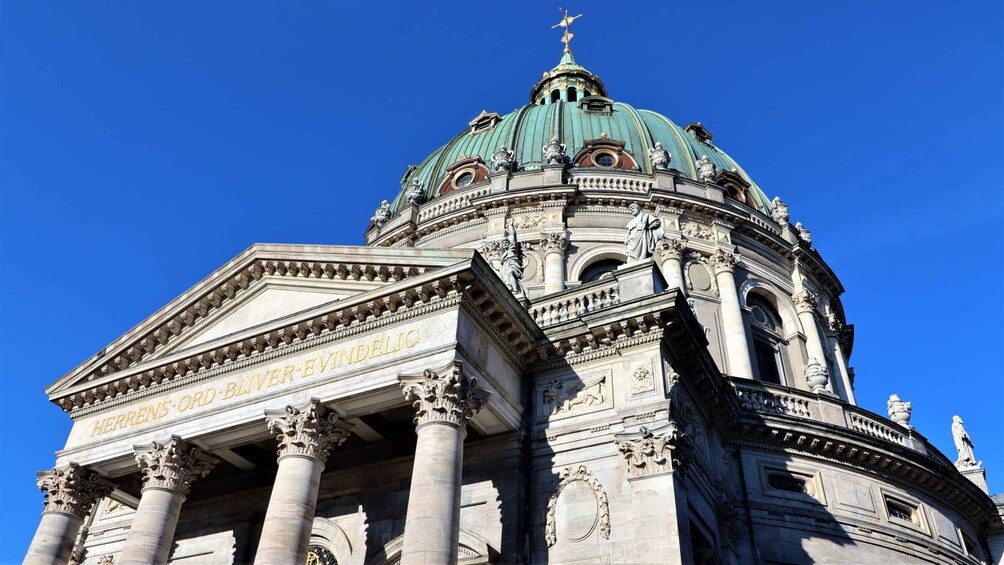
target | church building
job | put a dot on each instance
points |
(579, 333)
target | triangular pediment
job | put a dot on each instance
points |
(263, 284)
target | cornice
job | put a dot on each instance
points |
(235, 278)
(333, 321)
(817, 440)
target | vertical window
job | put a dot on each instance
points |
(555, 95)
(767, 340)
(573, 94)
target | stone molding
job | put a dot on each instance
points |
(553, 242)
(71, 489)
(446, 396)
(348, 319)
(724, 261)
(653, 451)
(567, 476)
(307, 431)
(670, 247)
(172, 465)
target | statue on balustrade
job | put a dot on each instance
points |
(512, 263)
(643, 233)
(963, 444)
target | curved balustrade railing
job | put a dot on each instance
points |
(765, 398)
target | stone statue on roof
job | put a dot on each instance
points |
(503, 159)
(643, 232)
(382, 214)
(963, 444)
(554, 152)
(706, 169)
(415, 195)
(659, 157)
(511, 267)
(779, 212)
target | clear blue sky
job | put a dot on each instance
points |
(144, 144)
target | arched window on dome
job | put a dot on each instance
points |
(573, 94)
(555, 95)
(768, 342)
(602, 269)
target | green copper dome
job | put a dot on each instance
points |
(569, 103)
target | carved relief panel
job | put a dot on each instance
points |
(577, 508)
(560, 398)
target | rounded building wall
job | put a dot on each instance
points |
(588, 208)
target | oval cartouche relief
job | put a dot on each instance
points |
(577, 511)
(700, 279)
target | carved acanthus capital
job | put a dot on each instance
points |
(670, 247)
(724, 261)
(447, 396)
(71, 489)
(656, 451)
(307, 431)
(553, 242)
(172, 465)
(805, 301)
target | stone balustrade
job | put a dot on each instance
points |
(567, 305)
(765, 398)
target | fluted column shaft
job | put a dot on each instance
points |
(444, 403)
(305, 437)
(70, 493)
(169, 469)
(554, 246)
(670, 251)
(736, 347)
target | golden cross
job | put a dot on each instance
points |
(566, 22)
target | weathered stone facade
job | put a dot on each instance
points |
(676, 392)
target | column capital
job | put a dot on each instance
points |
(669, 247)
(724, 260)
(805, 301)
(307, 431)
(651, 451)
(553, 242)
(71, 489)
(446, 396)
(172, 465)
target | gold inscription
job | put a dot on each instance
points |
(253, 383)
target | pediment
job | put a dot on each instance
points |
(263, 284)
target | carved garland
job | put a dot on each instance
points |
(569, 475)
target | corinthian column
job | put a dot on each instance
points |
(305, 435)
(70, 493)
(444, 402)
(670, 251)
(169, 469)
(554, 245)
(805, 307)
(736, 347)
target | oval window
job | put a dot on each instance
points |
(464, 179)
(605, 160)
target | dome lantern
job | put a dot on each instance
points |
(569, 81)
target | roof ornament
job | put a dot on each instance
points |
(382, 214)
(706, 169)
(416, 193)
(659, 157)
(503, 159)
(554, 152)
(566, 23)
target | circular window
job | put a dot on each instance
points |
(318, 555)
(604, 159)
(463, 179)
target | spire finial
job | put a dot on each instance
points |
(566, 22)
